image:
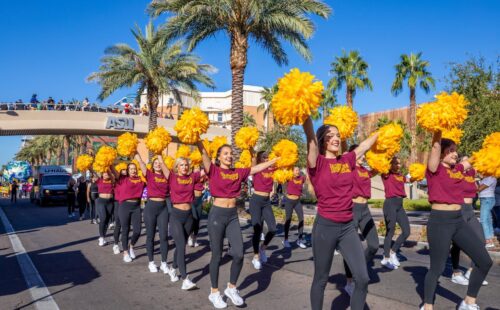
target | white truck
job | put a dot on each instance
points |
(50, 184)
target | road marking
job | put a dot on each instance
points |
(39, 293)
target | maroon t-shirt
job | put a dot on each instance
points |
(182, 187)
(131, 188)
(469, 182)
(157, 185)
(104, 186)
(263, 181)
(362, 182)
(333, 182)
(118, 191)
(200, 185)
(226, 183)
(294, 186)
(394, 184)
(445, 185)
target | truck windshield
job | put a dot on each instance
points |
(55, 179)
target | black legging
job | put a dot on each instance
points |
(290, 205)
(130, 213)
(224, 222)
(118, 226)
(196, 208)
(326, 237)
(92, 206)
(71, 203)
(471, 220)
(82, 204)
(156, 215)
(261, 211)
(13, 197)
(363, 220)
(181, 223)
(395, 213)
(443, 228)
(105, 207)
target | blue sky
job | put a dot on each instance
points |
(50, 47)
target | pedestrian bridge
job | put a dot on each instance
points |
(47, 122)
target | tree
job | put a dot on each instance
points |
(267, 22)
(278, 132)
(480, 84)
(328, 102)
(248, 119)
(351, 70)
(267, 97)
(414, 70)
(157, 67)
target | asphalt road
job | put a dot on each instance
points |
(81, 275)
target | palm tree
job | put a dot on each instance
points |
(267, 97)
(415, 70)
(248, 119)
(267, 22)
(351, 70)
(157, 67)
(328, 102)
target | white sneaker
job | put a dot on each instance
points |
(467, 276)
(173, 275)
(256, 263)
(190, 242)
(262, 237)
(126, 258)
(116, 249)
(490, 245)
(217, 301)
(131, 253)
(102, 242)
(349, 288)
(465, 306)
(263, 256)
(164, 267)
(459, 279)
(386, 262)
(394, 260)
(336, 252)
(301, 244)
(286, 244)
(152, 267)
(234, 295)
(111, 225)
(195, 243)
(188, 284)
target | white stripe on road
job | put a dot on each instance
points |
(39, 293)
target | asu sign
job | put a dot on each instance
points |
(120, 123)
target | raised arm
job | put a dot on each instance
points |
(204, 155)
(164, 168)
(263, 166)
(312, 143)
(364, 146)
(435, 153)
(113, 174)
(88, 192)
(142, 165)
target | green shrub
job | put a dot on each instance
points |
(408, 205)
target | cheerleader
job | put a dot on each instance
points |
(118, 226)
(225, 185)
(331, 174)
(104, 203)
(292, 202)
(446, 223)
(197, 209)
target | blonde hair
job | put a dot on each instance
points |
(178, 160)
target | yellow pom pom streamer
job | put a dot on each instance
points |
(486, 160)
(157, 140)
(389, 138)
(298, 97)
(126, 145)
(282, 175)
(492, 140)
(454, 134)
(84, 162)
(192, 125)
(104, 158)
(287, 151)
(182, 151)
(195, 158)
(345, 119)
(217, 142)
(447, 112)
(169, 162)
(245, 160)
(379, 162)
(417, 172)
(121, 166)
(246, 138)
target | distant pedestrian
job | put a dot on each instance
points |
(71, 198)
(81, 195)
(92, 195)
(13, 192)
(487, 199)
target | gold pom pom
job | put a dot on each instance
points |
(245, 160)
(216, 143)
(492, 140)
(84, 162)
(447, 112)
(417, 172)
(192, 124)
(169, 162)
(454, 134)
(379, 162)
(121, 166)
(126, 145)
(104, 158)
(182, 151)
(282, 175)
(345, 119)
(195, 158)
(298, 97)
(389, 138)
(157, 140)
(287, 151)
(486, 160)
(246, 138)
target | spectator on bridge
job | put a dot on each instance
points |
(50, 100)
(86, 104)
(127, 108)
(33, 102)
(60, 105)
(487, 199)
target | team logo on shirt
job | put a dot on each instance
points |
(135, 181)
(340, 168)
(468, 178)
(160, 180)
(229, 176)
(399, 178)
(184, 181)
(297, 181)
(106, 181)
(267, 175)
(363, 174)
(454, 175)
